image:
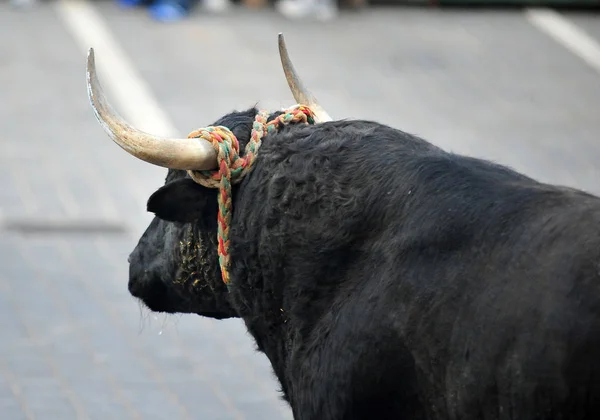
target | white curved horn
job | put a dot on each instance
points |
(301, 95)
(186, 154)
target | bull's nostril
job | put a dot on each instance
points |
(129, 259)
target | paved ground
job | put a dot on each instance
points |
(74, 344)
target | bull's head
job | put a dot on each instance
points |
(174, 267)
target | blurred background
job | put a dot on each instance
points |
(519, 85)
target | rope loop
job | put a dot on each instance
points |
(232, 167)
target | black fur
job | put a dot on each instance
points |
(385, 278)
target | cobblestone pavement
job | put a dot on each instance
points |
(74, 344)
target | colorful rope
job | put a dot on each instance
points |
(232, 167)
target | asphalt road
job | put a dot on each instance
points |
(74, 344)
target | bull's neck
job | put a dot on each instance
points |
(271, 328)
(281, 318)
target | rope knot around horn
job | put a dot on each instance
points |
(232, 167)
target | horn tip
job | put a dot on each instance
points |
(90, 60)
(90, 78)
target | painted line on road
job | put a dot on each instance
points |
(133, 95)
(567, 34)
(126, 88)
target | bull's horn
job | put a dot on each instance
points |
(301, 94)
(171, 153)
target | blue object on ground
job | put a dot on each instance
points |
(131, 3)
(170, 10)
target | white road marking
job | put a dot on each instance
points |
(125, 87)
(131, 94)
(567, 34)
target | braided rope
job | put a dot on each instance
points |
(232, 167)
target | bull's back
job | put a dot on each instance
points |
(508, 325)
(457, 281)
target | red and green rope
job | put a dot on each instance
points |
(232, 167)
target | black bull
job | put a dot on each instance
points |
(385, 278)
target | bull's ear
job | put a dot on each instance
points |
(183, 201)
